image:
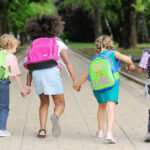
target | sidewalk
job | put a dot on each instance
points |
(79, 123)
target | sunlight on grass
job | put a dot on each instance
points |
(86, 46)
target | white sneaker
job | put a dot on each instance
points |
(147, 137)
(100, 134)
(111, 139)
(4, 133)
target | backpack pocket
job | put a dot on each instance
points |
(2, 73)
(101, 75)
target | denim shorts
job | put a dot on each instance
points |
(48, 81)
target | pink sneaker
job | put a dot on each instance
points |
(100, 134)
(111, 139)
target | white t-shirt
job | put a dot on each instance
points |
(61, 44)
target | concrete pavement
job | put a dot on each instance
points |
(79, 123)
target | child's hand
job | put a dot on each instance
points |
(24, 92)
(74, 84)
(130, 68)
(77, 87)
(28, 89)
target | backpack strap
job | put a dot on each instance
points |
(111, 62)
(115, 69)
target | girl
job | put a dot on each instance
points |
(8, 45)
(107, 100)
(48, 81)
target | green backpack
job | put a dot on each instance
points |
(3, 73)
(102, 73)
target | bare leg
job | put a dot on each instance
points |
(43, 111)
(59, 102)
(110, 109)
(101, 116)
(58, 110)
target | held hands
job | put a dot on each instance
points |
(25, 91)
(130, 68)
(76, 86)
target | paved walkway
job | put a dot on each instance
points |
(78, 122)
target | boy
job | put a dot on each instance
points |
(145, 65)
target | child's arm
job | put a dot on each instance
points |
(69, 66)
(139, 70)
(130, 66)
(23, 90)
(29, 79)
(83, 79)
(15, 72)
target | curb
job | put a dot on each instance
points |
(129, 76)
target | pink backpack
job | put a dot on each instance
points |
(42, 54)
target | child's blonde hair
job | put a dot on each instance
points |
(8, 41)
(105, 42)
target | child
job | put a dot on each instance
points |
(145, 65)
(47, 81)
(8, 46)
(106, 99)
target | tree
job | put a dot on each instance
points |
(4, 4)
(129, 25)
(142, 8)
(20, 11)
(93, 6)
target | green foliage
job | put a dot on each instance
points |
(88, 4)
(3, 2)
(20, 11)
(42, 8)
(141, 5)
(17, 14)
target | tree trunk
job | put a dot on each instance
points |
(15, 31)
(4, 21)
(133, 37)
(126, 23)
(129, 25)
(121, 29)
(23, 38)
(142, 28)
(97, 18)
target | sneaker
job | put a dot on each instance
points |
(111, 139)
(4, 133)
(147, 137)
(56, 130)
(100, 134)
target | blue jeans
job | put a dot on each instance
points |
(4, 103)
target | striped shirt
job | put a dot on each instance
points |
(144, 60)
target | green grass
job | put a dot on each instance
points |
(77, 46)
(132, 52)
(86, 48)
(143, 45)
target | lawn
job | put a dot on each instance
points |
(88, 50)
